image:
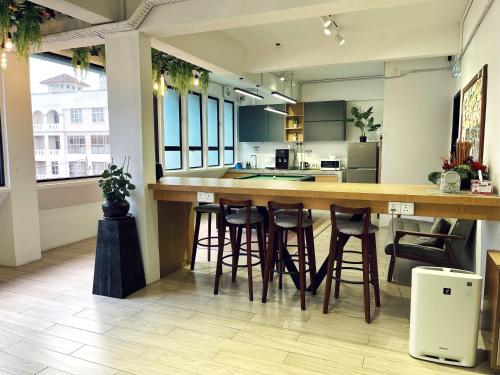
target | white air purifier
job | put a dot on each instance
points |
(444, 317)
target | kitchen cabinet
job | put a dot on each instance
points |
(324, 131)
(258, 125)
(325, 111)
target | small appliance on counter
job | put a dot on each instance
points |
(284, 158)
(330, 165)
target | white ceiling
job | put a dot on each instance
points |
(362, 69)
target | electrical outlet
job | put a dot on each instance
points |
(394, 208)
(407, 208)
(206, 197)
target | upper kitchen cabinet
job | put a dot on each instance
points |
(259, 125)
(324, 131)
(325, 111)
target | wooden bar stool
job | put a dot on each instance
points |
(208, 241)
(243, 218)
(294, 218)
(341, 231)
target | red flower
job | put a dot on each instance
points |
(477, 166)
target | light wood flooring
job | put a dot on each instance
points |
(50, 323)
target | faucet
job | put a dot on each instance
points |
(253, 159)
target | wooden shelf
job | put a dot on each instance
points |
(295, 116)
(299, 128)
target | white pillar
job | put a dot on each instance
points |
(19, 215)
(130, 101)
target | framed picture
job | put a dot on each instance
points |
(474, 113)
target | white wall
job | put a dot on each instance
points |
(485, 49)
(417, 122)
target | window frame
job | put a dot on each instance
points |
(80, 117)
(2, 160)
(97, 145)
(79, 144)
(97, 111)
(195, 148)
(214, 148)
(174, 148)
(231, 148)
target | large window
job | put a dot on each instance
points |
(213, 131)
(68, 111)
(195, 136)
(228, 132)
(2, 176)
(99, 144)
(76, 144)
(172, 129)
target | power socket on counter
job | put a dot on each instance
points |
(401, 208)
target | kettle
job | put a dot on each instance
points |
(304, 165)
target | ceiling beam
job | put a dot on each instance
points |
(91, 11)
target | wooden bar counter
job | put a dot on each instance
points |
(177, 195)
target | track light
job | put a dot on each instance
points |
(283, 97)
(328, 30)
(326, 21)
(248, 93)
(340, 39)
(274, 110)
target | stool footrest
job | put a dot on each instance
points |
(349, 281)
(239, 265)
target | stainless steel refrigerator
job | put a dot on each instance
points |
(362, 162)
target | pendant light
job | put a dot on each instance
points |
(248, 93)
(274, 110)
(162, 83)
(278, 94)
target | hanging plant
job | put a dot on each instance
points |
(28, 32)
(5, 21)
(204, 80)
(81, 58)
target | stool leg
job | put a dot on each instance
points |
(195, 239)
(248, 232)
(366, 282)
(269, 263)
(236, 252)
(261, 238)
(302, 267)
(282, 240)
(209, 236)
(374, 268)
(339, 254)
(218, 271)
(329, 273)
(391, 268)
(311, 257)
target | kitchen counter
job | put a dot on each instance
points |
(313, 172)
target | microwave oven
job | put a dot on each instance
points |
(330, 165)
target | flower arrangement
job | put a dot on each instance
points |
(462, 163)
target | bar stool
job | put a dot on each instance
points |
(294, 219)
(243, 218)
(208, 209)
(342, 230)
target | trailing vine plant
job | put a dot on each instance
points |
(81, 56)
(181, 73)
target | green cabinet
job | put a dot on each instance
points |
(324, 131)
(325, 111)
(325, 121)
(258, 125)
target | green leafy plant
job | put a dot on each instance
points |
(364, 121)
(5, 20)
(29, 31)
(81, 58)
(115, 183)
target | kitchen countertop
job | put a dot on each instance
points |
(314, 172)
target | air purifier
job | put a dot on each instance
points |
(444, 315)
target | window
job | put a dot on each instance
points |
(99, 144)
(41, 168)
(172, 129)
(58, 98)
(37, 118)
(195, 136)
(98, 167)
(76, 116)
(2, 176)
(54, 165)
(77, 168)
(76, 144)
(97, 115)
(39, 142)
(53, 117)
(213, 131)
(228, 132)
(54, 142)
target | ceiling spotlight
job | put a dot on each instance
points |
(326, 20)
(340, 39)
(328, 30)
(248, 93)
(282, 78)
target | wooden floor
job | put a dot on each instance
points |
(50, 323)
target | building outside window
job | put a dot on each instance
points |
(76, 144)
(172, 129)
(41, 169)
(76, 115)
(77, 168)
(99, 144)
(39, 142)
(98, 167)
(65, 99)
(98, 115)
(228, 132)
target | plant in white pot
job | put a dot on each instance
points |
(116, 186)
(364, 121)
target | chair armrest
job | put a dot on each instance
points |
(401, 233)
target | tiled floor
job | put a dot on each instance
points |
(50, 323)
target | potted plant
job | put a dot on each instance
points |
(116, 186)
(364, 121)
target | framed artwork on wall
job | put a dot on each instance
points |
(474, 113)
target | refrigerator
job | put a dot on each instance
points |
(362, 162)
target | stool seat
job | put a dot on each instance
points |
(207, 208)
(239, 217)
(343, 217)
(355, 228)
(288, 221)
